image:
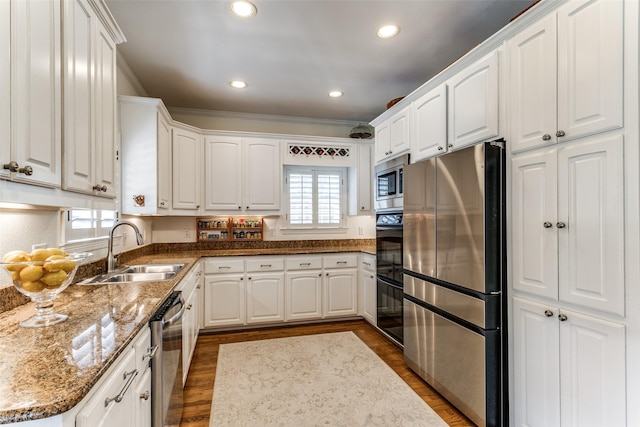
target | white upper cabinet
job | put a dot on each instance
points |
(242, 174)
(89, 102)
(392, 136)
(473, 103)
(31, 104)
(567, 75)
(568, 224)
(361, 180)
(146, 156)
(186, 154)
(429, 124)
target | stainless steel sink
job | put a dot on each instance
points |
(136, 273)
(153, 268)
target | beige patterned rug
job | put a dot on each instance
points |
(317, 380)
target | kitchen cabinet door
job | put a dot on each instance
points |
(224, 300)
(340, 292)
(36, 97)
(590, 224)
(262, 174)
(536, 364)
(533, 66)
(142, 397)
(590, 67)
(361, 181)
(392, 136)
(223, 173)
(265, 297)
(189, 330)
(473, 103)
(534, 234)
(303, 295)
(429, 124)
(186, 153)
(367, 287)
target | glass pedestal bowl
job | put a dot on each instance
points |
(42, 281)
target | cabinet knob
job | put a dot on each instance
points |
(239, 207)
(247, 207)
(371, 276)
(546, 137)
(361, 208)
(560, 134)
(189, 307)
(99, 187)
(27, 170)
(562, 317)
(548, 313)
(440, 148)
(561, 225)
(547, 224)
(450, 145)
(12, 166)
(145, 395)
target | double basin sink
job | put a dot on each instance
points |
(136, 273)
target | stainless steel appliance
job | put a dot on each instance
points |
(166, 366)
(389, 294)
(454, 279)
(389, 184)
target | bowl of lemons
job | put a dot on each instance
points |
(42, 275)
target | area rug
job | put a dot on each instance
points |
(317, 380)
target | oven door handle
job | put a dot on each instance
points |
(388, 283)
(388, 228)
(177, 316)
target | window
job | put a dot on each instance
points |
(316, 197)
(86, 224)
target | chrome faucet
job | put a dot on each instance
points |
(111, 259)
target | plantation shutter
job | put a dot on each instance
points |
(301, 198)
(329, 198)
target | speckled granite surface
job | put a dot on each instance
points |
(47, 371)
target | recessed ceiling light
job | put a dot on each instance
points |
(388, 31)
(238, 84)
(243, 8)
(335, 94)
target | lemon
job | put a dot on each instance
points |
(57, 251)
(15, 256)
(40, 254)
(31, 273)
(55, 279)
(53, 263)
(36, 286)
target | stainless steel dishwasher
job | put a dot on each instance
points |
(166, 366)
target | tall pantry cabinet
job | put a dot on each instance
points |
(569, 194)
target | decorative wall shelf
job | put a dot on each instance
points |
(229, 228)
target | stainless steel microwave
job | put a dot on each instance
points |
(389, 184)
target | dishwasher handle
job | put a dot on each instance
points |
(176, 317)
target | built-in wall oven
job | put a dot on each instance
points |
(389, 312)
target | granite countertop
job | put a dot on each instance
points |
(47, 371)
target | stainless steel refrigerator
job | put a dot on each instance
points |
(454, 278)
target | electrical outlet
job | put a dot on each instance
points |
(38, 246)
(360, 231)
(187, 233)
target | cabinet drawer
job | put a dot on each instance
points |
(304, 262)
(265, 264)
(368, 262)
(341, 261)
(223, 265)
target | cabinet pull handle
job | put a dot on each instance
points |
(561, 225)
(98, 187)
(548, 313)
(265, 265)
(440, 148)
(151, 351)
(547, 224)
(562, 317)
(341, 262)
(198, 287)
(305, 264)
(450, 145)
(132, 375)
(223, 266)
(546, 137)
(366, 263)
(560, 134)
(145, 395)
(189, 307)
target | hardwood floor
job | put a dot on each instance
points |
(198, 390)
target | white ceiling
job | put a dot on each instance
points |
(294, 51)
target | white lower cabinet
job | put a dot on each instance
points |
(340, 292)
(304, 295)
(367, 287)
(265, 297)
(119, 399)
(191, 287)
(224, 297)
(569, 368)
